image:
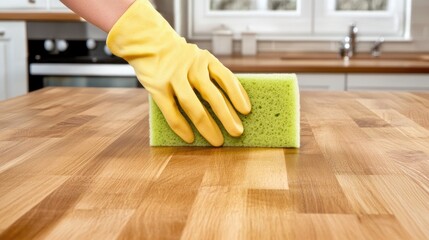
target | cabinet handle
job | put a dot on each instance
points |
(32, 1)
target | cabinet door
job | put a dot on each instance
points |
(321, 81)
(23, 4)
(13, 59)
(3, 85)
(389, 82)
(57, 5)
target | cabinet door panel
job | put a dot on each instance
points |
(388, 82)
(23, 4)
(57, 5)
(13, 59)
(321, 81)
(3, 83)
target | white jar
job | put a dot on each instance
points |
(248, 43)
(222, 41)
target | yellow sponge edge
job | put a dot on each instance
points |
(273, 122)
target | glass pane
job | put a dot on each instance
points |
(253, 5)
(361, 5)
(283, 5)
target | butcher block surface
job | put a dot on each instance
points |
(75, 163)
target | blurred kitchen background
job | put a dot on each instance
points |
(330, 44)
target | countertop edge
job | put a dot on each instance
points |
(40, 16)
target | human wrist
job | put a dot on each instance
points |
(106, 13)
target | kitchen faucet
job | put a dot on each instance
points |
(348, 45)
(353, 31)
(376, 48)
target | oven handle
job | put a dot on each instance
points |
(73, 69)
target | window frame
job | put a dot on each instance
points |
(304, 24)
(201, 23)
(328, 21)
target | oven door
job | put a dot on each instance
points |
(81, 75)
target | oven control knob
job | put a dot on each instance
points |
(62, 45)
(91, 44)
(49, 45)
(107, 50)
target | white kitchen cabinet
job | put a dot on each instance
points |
(13, 59)
(321, 81)
(390, 82)
(57, 5)
(45, 5)
(23, 4)
(2, 70)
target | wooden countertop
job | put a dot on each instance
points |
(329, 63)
(39, 16)
(75, 163)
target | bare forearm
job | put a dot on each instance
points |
(101, 13)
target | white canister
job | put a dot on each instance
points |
(248, 43)
(222, 41)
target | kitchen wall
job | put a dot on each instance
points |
(419, 34)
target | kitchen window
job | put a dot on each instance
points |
(375, 18)
(269, 18)
(301, 19)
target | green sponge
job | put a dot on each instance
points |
(273, 122)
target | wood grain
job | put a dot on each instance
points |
(75, 163)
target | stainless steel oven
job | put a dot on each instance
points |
(78, 63)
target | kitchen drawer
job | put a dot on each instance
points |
(321, 81)
(390, 82)
(23, 4)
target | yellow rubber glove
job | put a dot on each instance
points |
(169, 68)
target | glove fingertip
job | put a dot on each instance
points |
(246, 107)
(238, 130)
(218, 142)
(186, 135)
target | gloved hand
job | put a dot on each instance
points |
(169, 68)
